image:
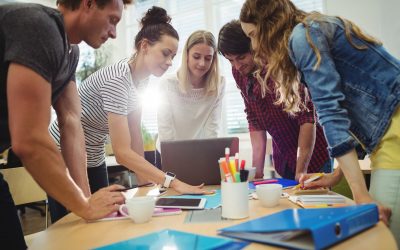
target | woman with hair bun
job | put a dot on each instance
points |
(110, 106)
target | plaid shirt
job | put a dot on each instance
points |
(263, 114)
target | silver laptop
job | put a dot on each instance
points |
(196, 161)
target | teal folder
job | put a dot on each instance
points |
(172, 239)
(315, 228)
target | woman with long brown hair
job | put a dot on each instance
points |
(354, 84)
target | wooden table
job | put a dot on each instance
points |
(72, 232)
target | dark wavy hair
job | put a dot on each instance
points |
(232, 40)
(74, 4)
(155, 23)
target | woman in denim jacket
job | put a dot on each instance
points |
(354, 83)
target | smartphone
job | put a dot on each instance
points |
(182, 203)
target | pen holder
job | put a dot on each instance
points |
(235, 200)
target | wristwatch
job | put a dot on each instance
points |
(169, 177)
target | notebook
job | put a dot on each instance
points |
(196, 161)
(318, 201)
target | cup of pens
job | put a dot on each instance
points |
(234, 189)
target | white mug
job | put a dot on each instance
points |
(140, 209)
(269, 194)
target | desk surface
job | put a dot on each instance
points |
(72, 232)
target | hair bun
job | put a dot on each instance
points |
(155, 15)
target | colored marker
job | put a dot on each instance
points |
(233, 170)
(227, 153)
(265, 182)
(237, 162)
(244, 175)
(221, 170)
(228, 176)
(242, 164)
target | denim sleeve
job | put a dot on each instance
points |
(324, 85)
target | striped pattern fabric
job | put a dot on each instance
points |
(109, 89)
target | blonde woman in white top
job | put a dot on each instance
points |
(191, 99)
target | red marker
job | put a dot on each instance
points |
(242, 164)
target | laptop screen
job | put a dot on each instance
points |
(196, 161)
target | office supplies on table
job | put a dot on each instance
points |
(299, 228)
(244, 175)
(227, 153)
(157, 212)
(175, 240)
(196, 161)
(242, 164)
(237, 162)
(213, 200)
(265, 182)
(318, 201)
(182, 203)
(310, 191)
(286, 183)
(235, 200)
(204, 216)
(269, 194)
(314, 177)
(162, 211)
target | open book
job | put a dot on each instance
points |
(319, 201)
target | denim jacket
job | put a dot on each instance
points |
(355, 91)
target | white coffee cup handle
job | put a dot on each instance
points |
(121, 210)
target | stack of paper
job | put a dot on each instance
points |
(329, 200)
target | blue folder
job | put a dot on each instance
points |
(286, 183)
(172, 239)
(306, 228)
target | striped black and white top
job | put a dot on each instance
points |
(109, 89)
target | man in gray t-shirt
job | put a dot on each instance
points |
(37, 70)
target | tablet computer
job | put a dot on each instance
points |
(183, 203)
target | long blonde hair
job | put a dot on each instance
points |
(212, 77)
(274, 21)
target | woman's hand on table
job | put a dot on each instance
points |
(384, 212)
(102, 203)
(327, 180)
(184, 188)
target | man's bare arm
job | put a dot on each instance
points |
(72, 141)
(29, 101)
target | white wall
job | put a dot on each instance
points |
(377, 17)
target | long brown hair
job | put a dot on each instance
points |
(274, 21)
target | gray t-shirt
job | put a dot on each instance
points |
(34, 36)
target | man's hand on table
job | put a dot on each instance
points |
(102, 203)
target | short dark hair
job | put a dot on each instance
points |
(74, 4)
(232, 40)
